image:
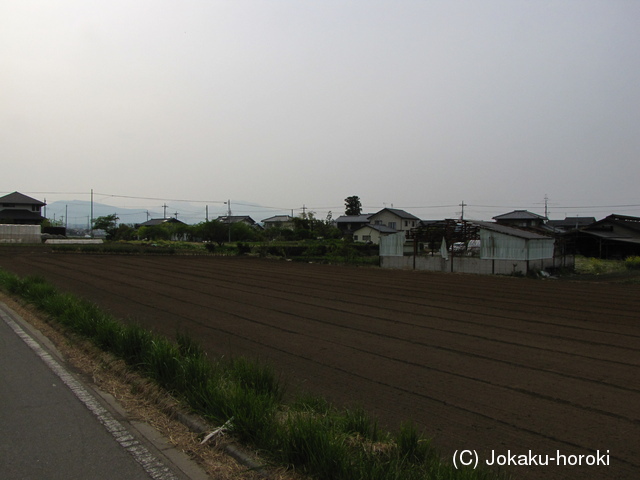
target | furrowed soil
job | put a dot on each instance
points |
(498, 365)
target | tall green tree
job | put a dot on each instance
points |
(353, 205)
(108, 224)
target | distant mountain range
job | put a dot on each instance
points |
(78, 212)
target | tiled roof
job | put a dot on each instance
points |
(19, 198)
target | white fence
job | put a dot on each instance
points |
(20, 234)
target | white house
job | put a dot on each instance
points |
(372, 233)
(386, 222)
(282, 221)
(399, 220)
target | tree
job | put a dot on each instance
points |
(213, 231)
(353, 205)
(108, 224)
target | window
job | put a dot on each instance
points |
(366, 238)
(355, 238)
(378, 222)
(392, 225)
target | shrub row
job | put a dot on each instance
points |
(308, 433)
(118, 248)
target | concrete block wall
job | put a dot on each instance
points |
(20, 234)
(471, 264)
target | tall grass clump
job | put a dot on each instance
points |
(597, 266)
(309, 433)
(632, 263)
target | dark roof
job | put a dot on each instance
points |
(19, 198)
(632, 223)
(399, 213)
(572, 222)
(519, 215)
(236, 219)
(606, 235)
(159, 221)
(364, 218)
(515, 232)
(278, 218)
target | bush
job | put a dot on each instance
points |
(243, 248)
(632, 263)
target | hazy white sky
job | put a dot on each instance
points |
(415, 104)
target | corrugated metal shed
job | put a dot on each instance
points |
(499, 242)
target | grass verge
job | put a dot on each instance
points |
(309, 434)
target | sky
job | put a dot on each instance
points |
(282, 104)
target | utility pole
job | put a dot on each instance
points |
(462, 213)
(546, 200)
(228, 202)
(304, 211)
(176, 214)
(91, 223)
(206, 213)
(164, 214)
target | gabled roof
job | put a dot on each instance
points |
(631, 223)
(400, 213)
(379, 228)
(519, 215)
(514, 232)
(19, 198)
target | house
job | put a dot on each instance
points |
(371, 233)
(348, 224)
(246, 219)
(521, 218)
(615, 236)
(282, 221)
(19, 209)
(176, 236)
(159, 221)
(398, 220)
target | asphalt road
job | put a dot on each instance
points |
(54, 427)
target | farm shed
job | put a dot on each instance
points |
(499, 242)
(616, 236)
(503, 250)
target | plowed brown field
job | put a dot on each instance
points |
(483, 363)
